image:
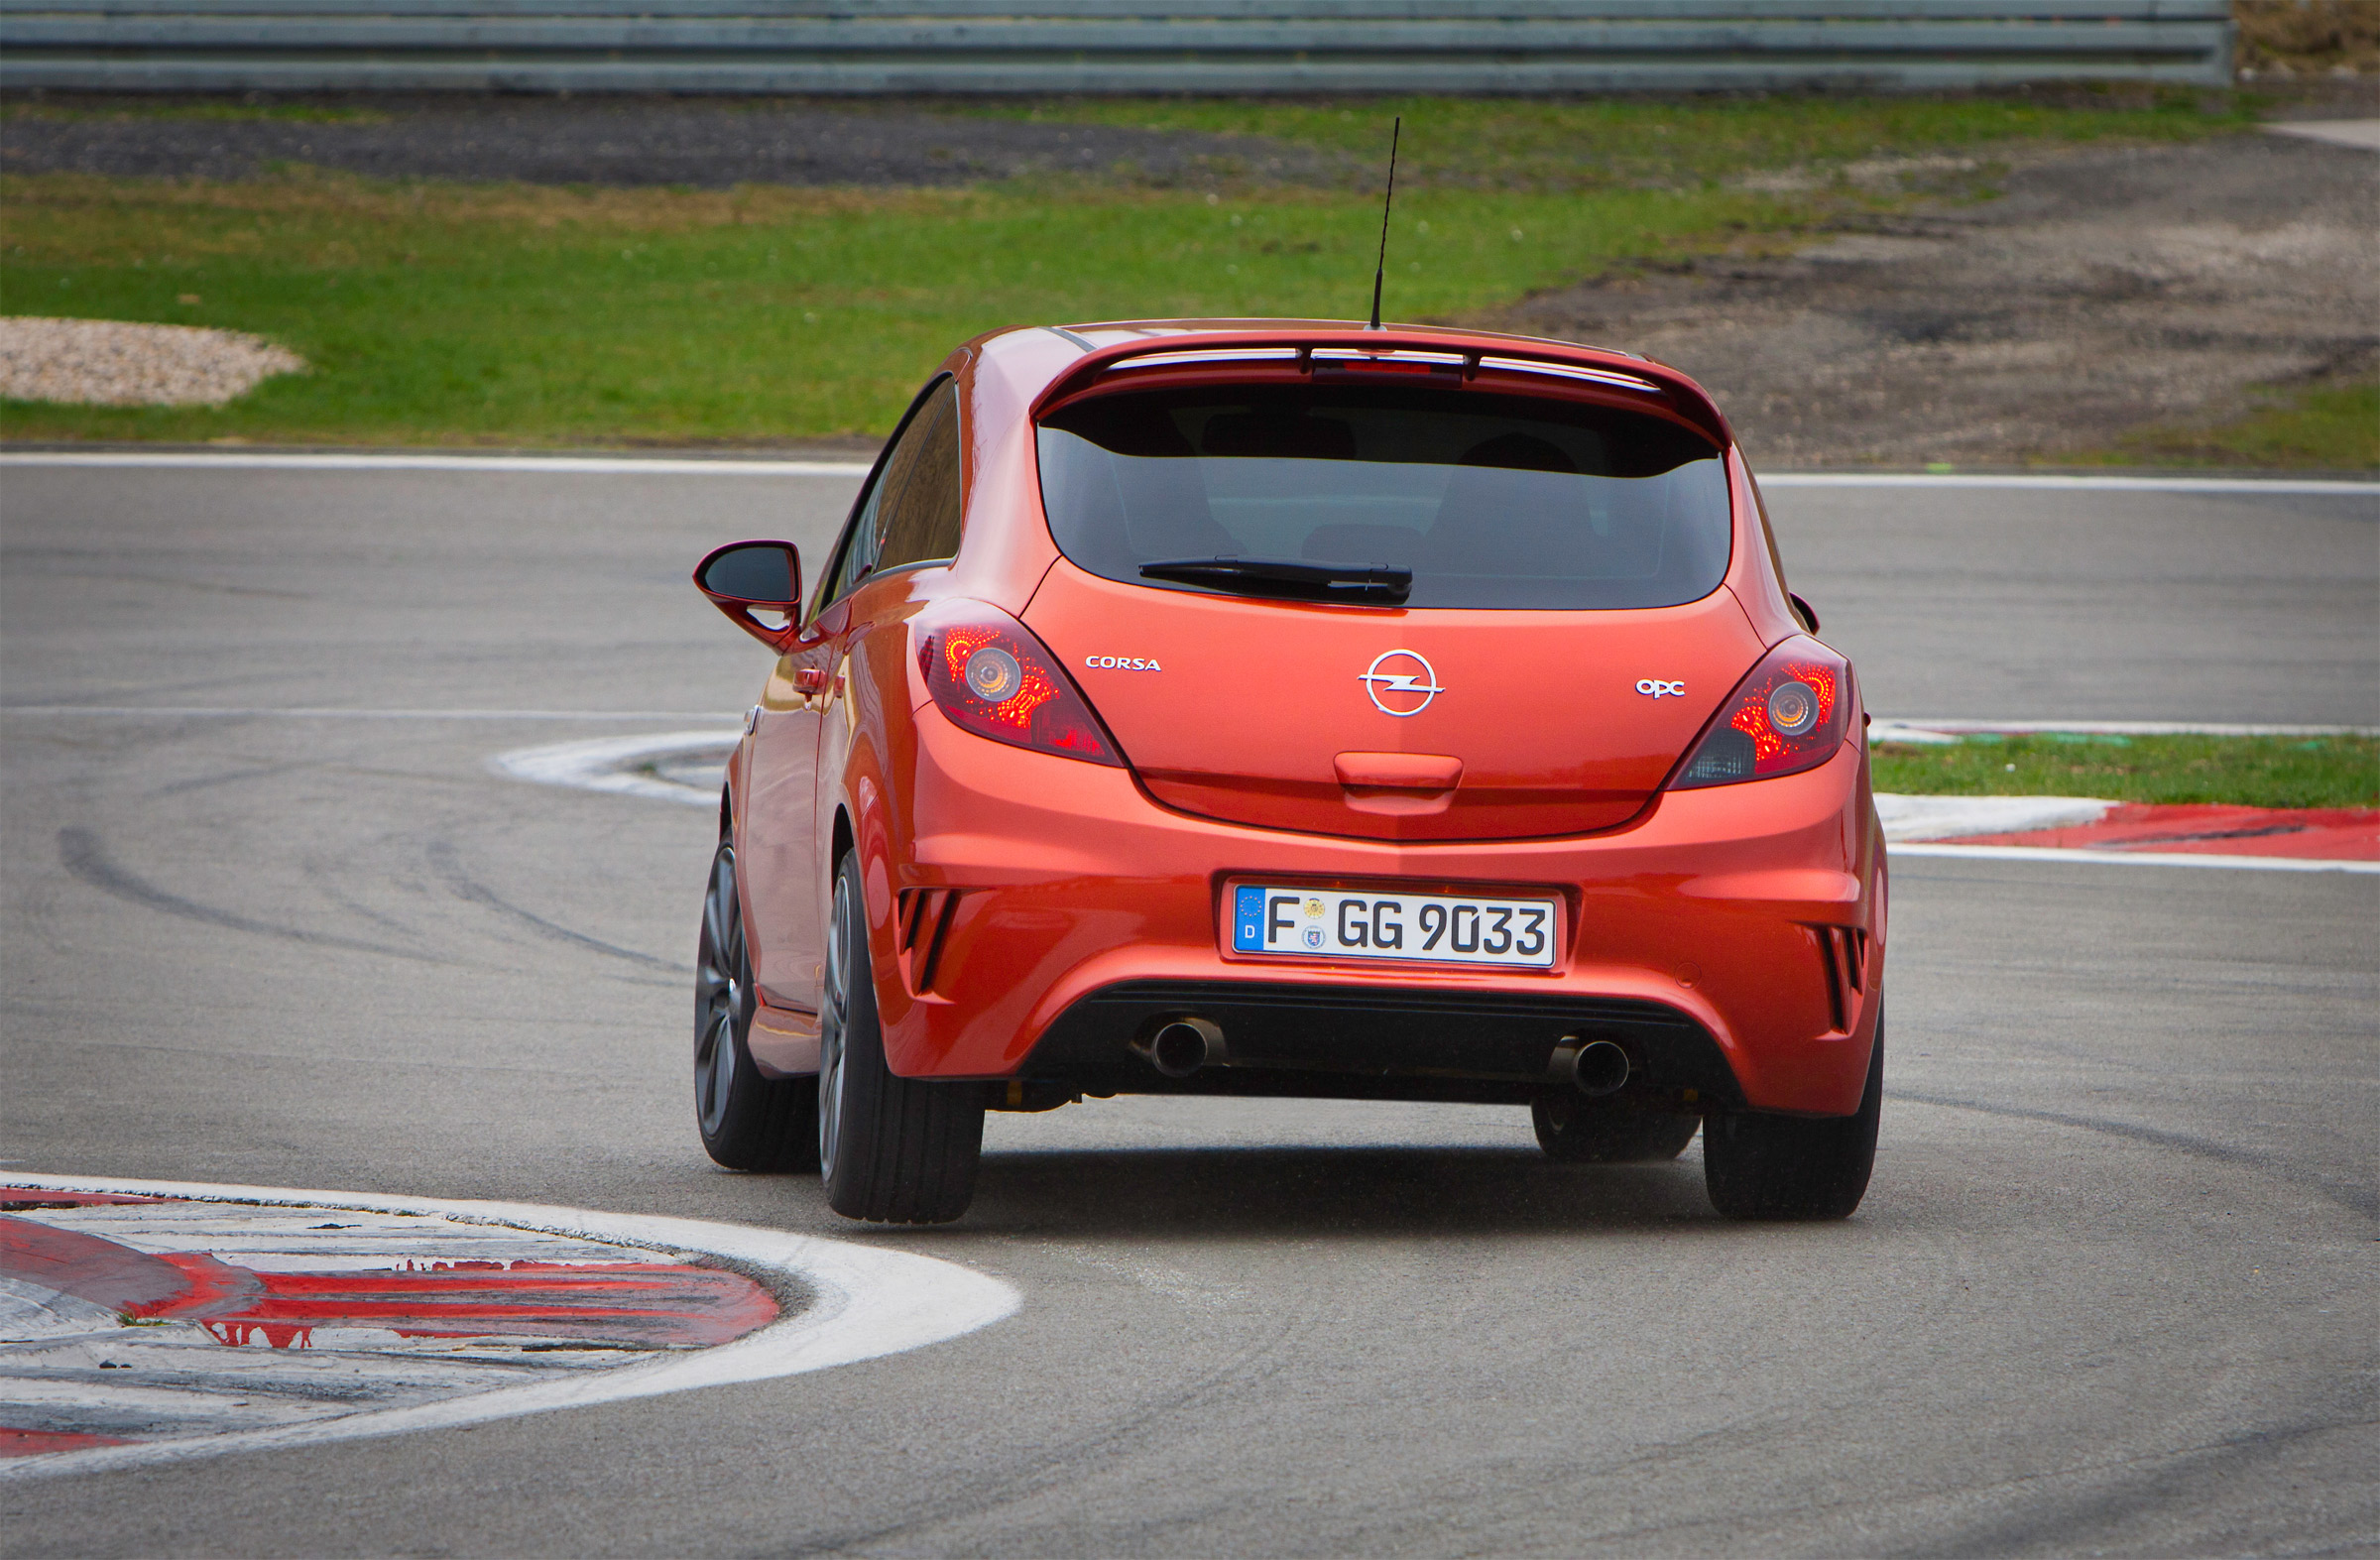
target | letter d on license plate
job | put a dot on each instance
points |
(1384, 923)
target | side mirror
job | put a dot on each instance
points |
(747, 576)
(1802, 608)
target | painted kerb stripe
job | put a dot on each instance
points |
(868, 1302)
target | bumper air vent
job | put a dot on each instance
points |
(925, 917)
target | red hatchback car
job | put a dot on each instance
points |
(1279, 707)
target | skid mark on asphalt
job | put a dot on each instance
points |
(332, 877)
(2147, 1485)
(167, 583)
(1067, 1466)
(249, 1317)
(229, 777)
(1171, 1282)
(442, 856)
(2355, 1199)
(88, 861)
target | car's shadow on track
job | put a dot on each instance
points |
(1325, 1191)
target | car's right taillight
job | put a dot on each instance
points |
(989, 675)
(1789, 715)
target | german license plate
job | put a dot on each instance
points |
(1386, 925)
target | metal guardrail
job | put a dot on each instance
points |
(1104, 46)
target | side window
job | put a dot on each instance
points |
(922, 504)
(859, 549)
(913, 511)
(1776, 559)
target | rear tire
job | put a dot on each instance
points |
(748, 1122)
(1580, 1131)
(1758, 1167)
(896, 1151)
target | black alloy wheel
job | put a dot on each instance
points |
(1762, 1166)
(896, 1151)
(1580, 1131)
(748, 1122)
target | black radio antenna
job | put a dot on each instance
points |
(1380, 269)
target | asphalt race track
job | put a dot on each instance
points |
(2112, 1291)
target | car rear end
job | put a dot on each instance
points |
(1398, 715)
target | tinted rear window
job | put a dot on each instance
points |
(1491, 501)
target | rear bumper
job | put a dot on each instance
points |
(1731, 937)
(1377, 1043)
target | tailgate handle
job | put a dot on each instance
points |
(1399, 771)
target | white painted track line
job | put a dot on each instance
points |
(542, 465)
(2309, 487)
(1888, 729)
(632, 465)
(2362, 135)
(867, 1301)
(2131, 858)
(223, 712)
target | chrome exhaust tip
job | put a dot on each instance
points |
(1181, 1046)
(1594, 1067)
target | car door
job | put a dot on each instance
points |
(778, 851)
(782, 860)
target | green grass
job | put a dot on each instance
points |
(459, 316)
(443, 314)
(2323, 427)
(2256, 772)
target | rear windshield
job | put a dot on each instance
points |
(1491, 501)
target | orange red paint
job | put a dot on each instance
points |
(1547, 689)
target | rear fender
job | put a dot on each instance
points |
(872, 757)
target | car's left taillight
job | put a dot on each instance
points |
(988, 674)
(1788, 715)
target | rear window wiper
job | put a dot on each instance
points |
(1294, 578)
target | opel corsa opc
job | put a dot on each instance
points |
(1295, 709)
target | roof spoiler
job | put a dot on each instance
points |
(1354, 350)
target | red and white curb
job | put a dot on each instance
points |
(2307, 839)
(2340, 838)
(152, 1321)
(1908, 819)
(2138, 834)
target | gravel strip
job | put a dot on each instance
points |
(2111, 287)
(110, 363)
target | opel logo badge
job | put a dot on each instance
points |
(1400, 683)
